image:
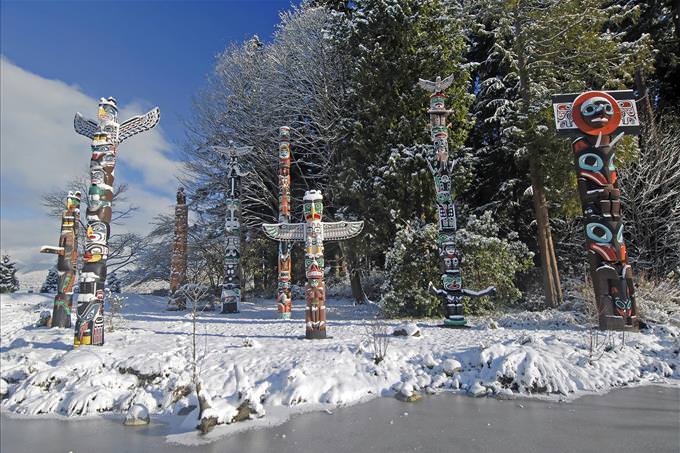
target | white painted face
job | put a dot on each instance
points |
(597, 111)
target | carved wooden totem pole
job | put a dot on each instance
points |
(67, 262)
(313, 233)
(231, 285)
(452, 292)
(106, 135)
(284, 299)
(178, 261)
(599, 119)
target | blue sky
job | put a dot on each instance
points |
(59, 57)
(159, 51)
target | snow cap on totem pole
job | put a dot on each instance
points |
(284, 132)
(313, 205)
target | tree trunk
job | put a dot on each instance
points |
(354, 269)
(551, 276)
(644, 102)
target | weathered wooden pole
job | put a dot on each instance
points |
(231, 284)
(106, 135)
(452, 293)
(284, 299)
(313, 233)
(599, 119)
(178, 261)
(67, 261)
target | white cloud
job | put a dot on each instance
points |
(39, 151)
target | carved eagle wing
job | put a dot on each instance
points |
(84, 126)
(285, 231)
(337, 231)
(139, 123)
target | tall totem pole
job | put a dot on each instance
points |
(453, 292)
(67, 262)
(313, 233)
(231, 285)
(178, 261)
(284, 299)
(106, 135)
(599, 119)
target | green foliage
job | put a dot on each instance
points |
(8, 279)
(51, 283)
(391, 45)
(410, 264)
(487, 260)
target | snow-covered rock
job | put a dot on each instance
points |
(409, 329)
(137, 415)
(451, 366)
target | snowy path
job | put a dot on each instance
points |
(148, 361)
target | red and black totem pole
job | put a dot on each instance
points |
(106, 135)
(67, 262)
(178, 261)
(599, 119)
(284, 299)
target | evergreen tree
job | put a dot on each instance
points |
(391, 44)
(51, 283)
(112, 283)
(8, 279)
(526, 51)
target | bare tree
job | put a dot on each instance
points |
(378, 334)
(650, 192)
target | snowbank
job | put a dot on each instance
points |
(148, 361)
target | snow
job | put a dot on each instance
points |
(255, 360)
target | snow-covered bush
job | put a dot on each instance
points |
(410, 264)
(491, 260)
(8, 279)
(116, 305)
(51, 282)
(658, 301)
(487, 259)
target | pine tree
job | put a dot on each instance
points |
(51, 283)
(113, 283)
(391, 44)
(8, 279)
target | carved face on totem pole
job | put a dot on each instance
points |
(596, 112)
(313, 205)
(108, 110)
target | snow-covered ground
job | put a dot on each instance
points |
(253, 356)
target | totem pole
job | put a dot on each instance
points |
(178, 262)
(231, 286)
(313, 233)
(284, 299)
(67, 261)
(599, 119)
(453, 292)
(106, 135)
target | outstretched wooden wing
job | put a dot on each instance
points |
(337, 231)
(139, 123)
(285, 231)
(84, 126)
